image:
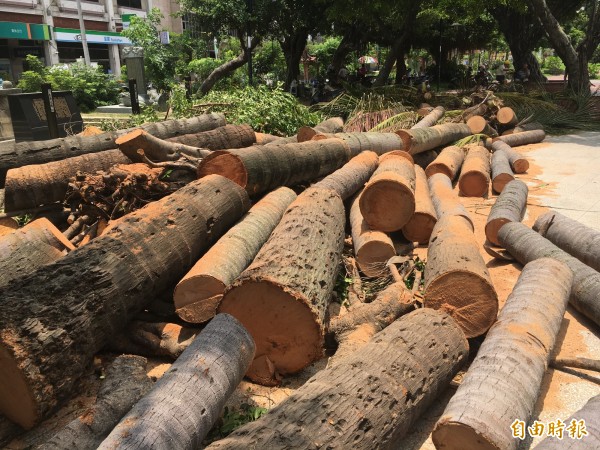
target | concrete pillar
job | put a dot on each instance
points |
(113, 50)
(134, 60)
(50, 48)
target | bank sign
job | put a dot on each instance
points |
(92, 37)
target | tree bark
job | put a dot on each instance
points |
(510, 206)
(445, 201)
(155, 149)
(421, 224)
(222, 138)
(425, 158)
(169, 417)
(358, 142)
(430, 119)
(332, 125)
(501, 171)
(474, 180)
(198, 295)
(401, 69)
(497, 388)
(282, 297)
(292, 48)
(422, 139)
(448, 162)
(323, 414)
(525, 127)
(347, 45)
(524, 138)
(518, 163)
(53, 322)
(8, 431)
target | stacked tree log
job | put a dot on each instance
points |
(431, 118)
(379, 143)
(510, 206)
(421, 224)
(332, 125)
(448, 162)
(474, 178)
(428, 138)
(445, 201)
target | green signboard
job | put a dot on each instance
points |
(20, 30)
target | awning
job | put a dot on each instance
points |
(92, 37)
(20, 30)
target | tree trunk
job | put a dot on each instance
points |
(388, 200)
(448, 162)
(477, 110)
(430, 119)
(198, 295)
(155, 149)
(401, 69)
(420, 226)
(425, 158)
(73, 317)
(126, 382)
(358, 142)
(260, 169)
(7, 224)
(263, 138)
(525, 127)
(524, 138)
(445, 201)
(474, 180)
(506, 116)
(292, 48)
(347, 45)
(41, 184)
(501, 171)
(478, 125)
(169, 416)
(526, 245)
(222, 138)
(497, 389)
(509, 207)
(571, 236)
(422, 139)
(282, 298)
(457, 280)
(517, 162)
(336, 407)
(352, 176)
(332, 125)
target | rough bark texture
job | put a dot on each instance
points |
(518, 163)
(7, 224)
(263, 138)
(509, 207)
(445, 201)
(526, 245)
(379, 143)
(506, 116)
(8, 431)
(477, 110)
(262, 168)
(40, 184)
(571, 236)
(430, 119)
(222, 138)
(457, 280)
(524, 138)
(422, 139)
(56, 319)
(388, 200)
(425, 158)
(420, 226)
(448, 162)
(479, 125)
(332, 125)
(501, 171)
(155, 149)
(126, 382)
(282, 297)
(504, 380)
(199, 293)
(371, 398)
(525, 127)
(352, 176)
(184, 404)
(474, 180)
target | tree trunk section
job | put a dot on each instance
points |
(445, 201)
(425, 158)
(518, 163)
(448, 162)
(263, 138)
(510, 206)
(228, 67)
(322, 413)
(477, 110)
(525, 127)
(420, 226)
(501, 171)
(81, 301)
(198, 295)
(260, 169)
(504, 380)
(379, 143)
(479, 125)
(332, 125)
(422, 139)
(222, 138)
(155, 149)
(430, 119)
(388, 200)
(169, 416)
(293, 46)
(7, 225)
(282, 297)
(524, 138)
(457, 280)
(474, 180)
(507, 117)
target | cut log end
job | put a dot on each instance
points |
(402, 153)
(520, 166)
(372, 255)
(16, 399)
(473, 184)
(500, 181)
(8, 225)
(131, 136)
(493, 227)
(457, 436)
(305, 134)
(406, 138)
(434, 168)
(197, 298)
(387, 205)
(477, 124)
(224, 164)
(419, 227)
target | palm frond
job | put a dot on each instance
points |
(397, 122)
(473, 139)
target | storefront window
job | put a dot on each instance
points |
(137, 4)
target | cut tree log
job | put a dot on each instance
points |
(525, 245)
(222, 138)
(477, 110)
(422, 139)
(518, 163)
(506, 117)
(509, 207)
(497, 389)
(126, 382)
(57, 318)
(41, 184)
(199, 293)
(474, 180)
(388, 200)
(445, 201)
(24, 250)
(448, 162)
(352, 176)
(188, 399)
(282, 297)
(571, 236)
(366, 400)
(501, 171)
(424, 109)
(524, 127)
(420, 226)
(8, 225)
(524, 138)
(430, 119)
(260, 169)
(457, 280)
(358, 142)
(425, 158)
(332, 125)
(263, 138)
(372, 248)
(155, 149)
(479, 125)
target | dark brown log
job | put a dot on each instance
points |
(57, 318)
(506, 116)
(199, 293)
(501, 171)
(526, 245)
(369, 399)
(479, 125)
(425, 158)
(517, 162)
(474, 180)
(504, 380)
(155, 149)
(509, 207)
(448, 162)
(477, 110)
(332, 125)
(8, 225)
(424, 109)
(420, 226)
(525, 127)
(422, 139)
(524, 138)
(188, 399)
(222, 138)
(352, 176)
(126, 382)
(457, 280)
(358, 142)
(282, 297)
(430, 119)
(445, 201)
(388, 200)
(571, 236)
(262, 168)
(31, 186)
